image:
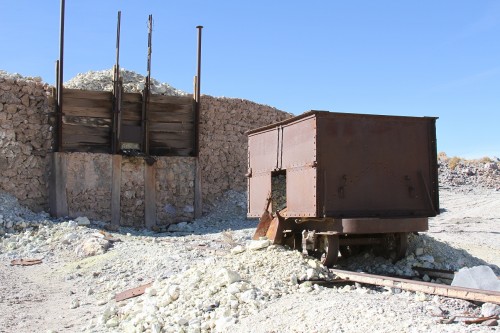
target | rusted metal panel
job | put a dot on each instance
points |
(301, 192)
(263, 152)
(259, 186)
(377, 225)
(298, 143)
(376, 166)
(134, 292)
(25, 262)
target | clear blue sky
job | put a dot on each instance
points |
(419, 58)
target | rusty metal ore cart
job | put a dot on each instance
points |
(341, 182)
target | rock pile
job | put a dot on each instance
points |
(215, 294)
(468, 175)
(132, 82)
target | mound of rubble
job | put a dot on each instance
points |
(132, 82)
(464, 175)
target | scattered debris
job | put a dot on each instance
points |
(25, 262)
(423, 287)
(134, 292)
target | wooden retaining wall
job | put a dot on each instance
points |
(164, 126)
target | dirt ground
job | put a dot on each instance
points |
(39, 298)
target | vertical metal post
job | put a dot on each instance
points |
(56, 109)
(115, 139)
(198, 72)
(146, 93)
(198, 194)
(197, 95)
(60, 79)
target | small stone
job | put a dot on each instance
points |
(490, 309)
(227, 276)
(74, 304)
(427, 258)
(258, 244)
(419, 251)
(113, 322)
(102, 302)
(237, 249)
(174, 292)
(491, 322)
(420, 297)
(82, 220)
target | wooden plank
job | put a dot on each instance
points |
(131, 123)
(95, 112)
(188, 99)
(71, 132)
(87, 121)
(87, 94)
(132, 97)
(164, 151)
(131, 111)
(171, 136)
(88, 103)
(104, 149)
(425, 287)
(58, 202)
(170, 108)
(116, 180)
(171, 117)
(172, 127)
(86, 139)
(150, 195)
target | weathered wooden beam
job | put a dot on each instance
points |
(198, 197)
(150, 194)
(116, 175)
(58, 202)
(425, 287)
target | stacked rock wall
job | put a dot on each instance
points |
(88, 185)
(223, 142)
(25, 139)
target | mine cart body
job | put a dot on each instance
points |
(346, 173)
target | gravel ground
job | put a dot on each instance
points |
(209, 276)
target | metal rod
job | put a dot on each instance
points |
(118, 27)
(147, 88)
(116, 91)
(197, 96)
(60, 79)
(198, 75)
(56, 109)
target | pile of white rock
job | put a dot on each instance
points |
(14, 217)
(132, 82)
(214, 294)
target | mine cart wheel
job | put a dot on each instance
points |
(327, 249)
(347, 251)
(401, 245)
